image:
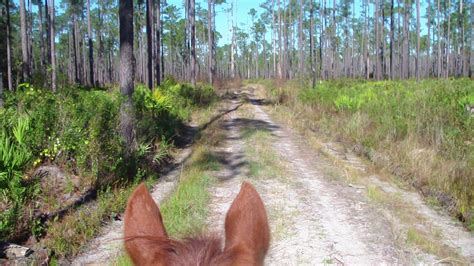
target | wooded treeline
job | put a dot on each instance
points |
(77, 41)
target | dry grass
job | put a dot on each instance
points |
(315, 127)
(417, 161)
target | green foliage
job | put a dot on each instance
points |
(424, 128)
(14, 155)
(433, 110)
(166, 108)
(77, 130)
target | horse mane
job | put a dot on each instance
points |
(247, 234)
(196, 250)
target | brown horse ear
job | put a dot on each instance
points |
(246, 228)
(144, 230)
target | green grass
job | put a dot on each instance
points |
(422, 129)
(185, 211)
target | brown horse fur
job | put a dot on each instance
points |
(247, 234)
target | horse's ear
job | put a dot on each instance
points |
(246, 228)
(144, 229)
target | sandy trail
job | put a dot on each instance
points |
(107, 247)
(314, 218)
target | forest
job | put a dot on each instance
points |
(98, 96)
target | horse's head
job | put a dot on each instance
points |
(247, 234)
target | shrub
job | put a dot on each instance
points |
(77, 130)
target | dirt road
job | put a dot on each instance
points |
(318, 218)
(319, 212)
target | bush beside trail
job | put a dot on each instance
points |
(75, 132)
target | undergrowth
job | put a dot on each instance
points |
(77, 131)
(419, 131)
(185, 211)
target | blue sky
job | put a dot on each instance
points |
(242, 19)
(222, 18)
(243, 7)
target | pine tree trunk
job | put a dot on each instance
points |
(418, 40)
(448, 43)
(428, 44)
(274, 39)
(439, 41)
(406, 53)
(48, 32)
(91, 47)
(9, 55)
(210, 35)
(74, 49)
(471, 56)
(41, 34)
(311, 44)
(149, 42)
(193, 41)
(392, 29)
(301, 37)
(25, 68)
(378, 64)
(280, 52)
(52, 45)
(158, 44)
(127, 73)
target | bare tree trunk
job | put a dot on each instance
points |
(53, 50)
(265, 65)
(40, 29)
(161, 43)
(25, 67)
(149, 42)
(193, 41)
(210, 36)
(9, 56)
(392, 29)
(418, 40)
(127, 74)
(91, 47)
(439, 41)
(29, 28)
(406, 52)
(158, 43)
(471, 56)
(378, 64)
(274, 39)
(311, 43)
(448, 44)
(232, 47)
(48, 32)
(74, 45)
(280, 52)
(300, 40)
(382, 44)
(428, 44)
(334, 40)
(321, 38)
(366, 43)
